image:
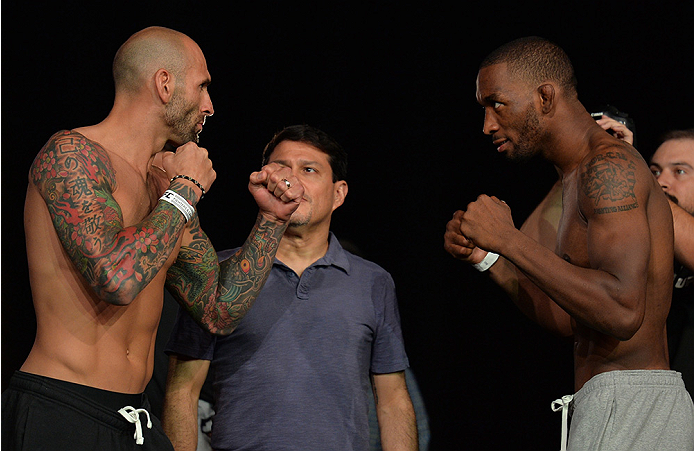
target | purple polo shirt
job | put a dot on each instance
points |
(294, 375)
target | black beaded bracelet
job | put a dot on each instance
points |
(191, 179)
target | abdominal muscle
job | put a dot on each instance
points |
(90, 342)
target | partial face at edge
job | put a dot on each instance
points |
(673, 166)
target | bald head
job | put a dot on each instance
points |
(146, 52)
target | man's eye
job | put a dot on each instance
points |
(680, 171)
(497, 105)
(310, 170)
(655, 172)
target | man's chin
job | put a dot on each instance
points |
(296, 223)
(299, 220)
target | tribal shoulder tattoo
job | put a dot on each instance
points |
(76, 179)
(608, 180)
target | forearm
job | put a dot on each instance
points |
(180, 411)
(529, 298)
(593, 297)
(541, 225)
(180, 421)
(683, 224)
(217, 295)
(398, 425)
(118, 262)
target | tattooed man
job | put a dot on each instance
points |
(606, 281)
(110, 219)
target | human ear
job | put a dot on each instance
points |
(546, 94)
(164, 84)
(340, 191)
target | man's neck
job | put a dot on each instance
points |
(130, 134)
(300, 248)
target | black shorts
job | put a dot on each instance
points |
(40, 413)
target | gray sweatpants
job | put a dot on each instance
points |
(632, 410)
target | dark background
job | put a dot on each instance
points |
(395, 84)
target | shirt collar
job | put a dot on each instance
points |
(336, 256)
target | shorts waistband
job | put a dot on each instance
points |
(621, 378)
(101, 404)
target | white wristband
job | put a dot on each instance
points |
(179, 202)
(486, 262)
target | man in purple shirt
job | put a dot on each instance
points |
(324, 330)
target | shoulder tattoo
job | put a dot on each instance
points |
(609, 180)
(75, 177)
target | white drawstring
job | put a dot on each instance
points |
(133, 416)
(563, 405)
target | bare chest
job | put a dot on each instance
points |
(572, 231)
(135, 194)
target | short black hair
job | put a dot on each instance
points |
(535, 60)
(677, 134)
(316, 138)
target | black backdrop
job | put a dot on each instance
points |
(395, 85)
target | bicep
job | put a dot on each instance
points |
(75, 180)
(613, 199)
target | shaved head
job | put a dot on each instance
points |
(146, 52)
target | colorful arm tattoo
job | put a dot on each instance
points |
(217, 295)
(76, 179)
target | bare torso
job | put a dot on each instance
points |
(79, 337)
(596, 352)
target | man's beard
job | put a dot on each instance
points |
(182, 117)
(528, 138)
(298, 221)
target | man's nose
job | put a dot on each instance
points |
(664, 181)
(490, 125)
(207, 107)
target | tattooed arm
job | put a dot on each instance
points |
(215, 294)
(76, 179)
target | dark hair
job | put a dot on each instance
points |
(677, 134)
(535, 60)
(316, 138)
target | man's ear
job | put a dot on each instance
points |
(164, 84)
(340, 191)
(547, 95)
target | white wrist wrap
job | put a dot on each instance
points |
(179, 202)
(486, 262)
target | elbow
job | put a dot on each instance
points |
(217, 327)
(115, 291)
(627, 324)
(220, 331)
(115, 298)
